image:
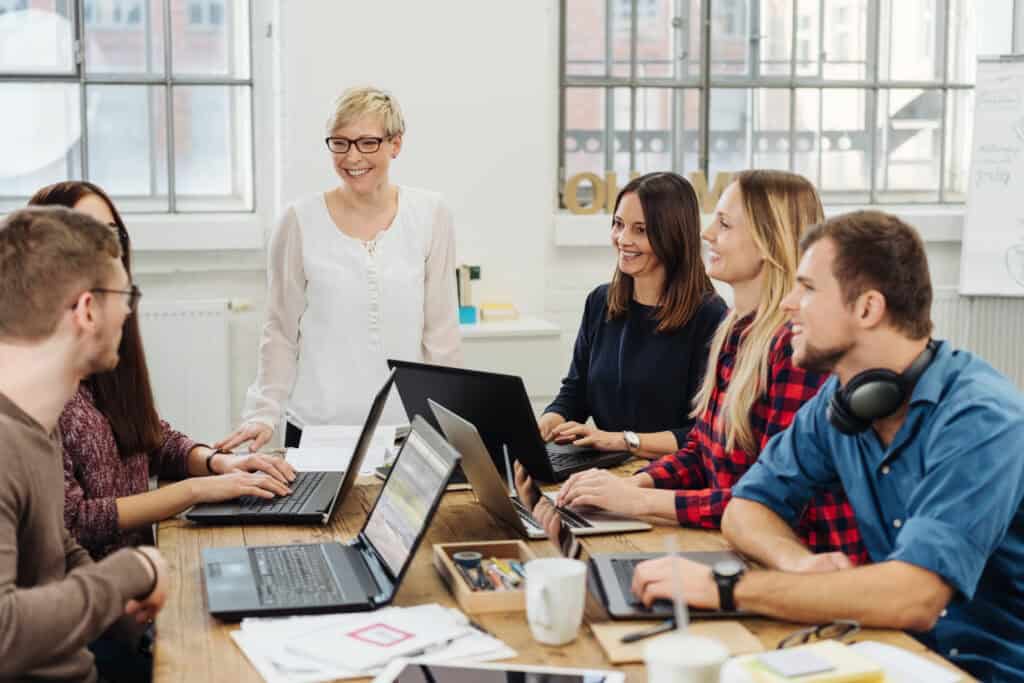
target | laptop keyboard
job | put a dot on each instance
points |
(293, 575)
(569, 458)
(570, 518)
(303, 487)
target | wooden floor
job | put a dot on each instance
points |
(192, 646)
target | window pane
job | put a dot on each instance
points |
(995, 21)
(807, 134)
(771, 128)
(40, 138)
(962, 48)
(621, 28)
(128, 144)
(959, 129)
(667, 130)
(749, 129)
(584, 130)
(655, 119)
(729, 143)
(845, 145)
(668, 44)
(832, 45)
(210, 37)
(730, 38)
(775, 37)
(585, 43)
(213, 148)
(130, 40)
(37, 40)
(911, 30)
(620, 141)
(909, 145)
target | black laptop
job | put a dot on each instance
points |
(500, 409)
(361, 575)
(314, 494)
(612, 575)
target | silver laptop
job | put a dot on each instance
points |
(314, 494)
(500, 498)
(364, 574)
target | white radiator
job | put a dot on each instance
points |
(187, 350)
(991, 327)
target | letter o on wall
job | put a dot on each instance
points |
(572, 200)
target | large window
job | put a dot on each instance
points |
(151, 99)
(869, 99)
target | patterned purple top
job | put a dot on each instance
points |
(95, 475)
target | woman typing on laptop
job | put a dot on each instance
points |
(113, 438)
(751, 389)
(641, 347)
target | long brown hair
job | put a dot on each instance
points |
(780, 207)
(124, 394)
(672, 219)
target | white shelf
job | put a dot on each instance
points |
(503, 329)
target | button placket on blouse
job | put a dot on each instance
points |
(373, 284)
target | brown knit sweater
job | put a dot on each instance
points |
(53, 598)
(96, 474)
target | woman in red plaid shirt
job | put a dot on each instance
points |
(751, 390)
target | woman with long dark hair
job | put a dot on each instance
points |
(641, 348)
(113, 438)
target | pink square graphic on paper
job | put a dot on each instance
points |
(380, 635)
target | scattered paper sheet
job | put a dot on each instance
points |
(329, 448)
(281, 650)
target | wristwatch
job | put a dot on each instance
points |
(727, 574)
(631, 439)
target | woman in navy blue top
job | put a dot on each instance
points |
(641, 349)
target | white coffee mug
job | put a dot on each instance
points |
(681, 658)
(555, 593)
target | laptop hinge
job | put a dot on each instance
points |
(382, 578)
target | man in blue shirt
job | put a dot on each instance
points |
(929, 446)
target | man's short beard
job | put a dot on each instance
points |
(822, 360)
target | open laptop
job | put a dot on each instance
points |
(494, 494)
(500, 408)
(613, 576)
(314, 494)
(333, 577)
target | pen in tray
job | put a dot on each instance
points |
(663, 627)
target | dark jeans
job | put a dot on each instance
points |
(292, 435)
(119, 661)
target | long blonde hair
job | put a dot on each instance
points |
(779, 206)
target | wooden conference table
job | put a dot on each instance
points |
(192, 646)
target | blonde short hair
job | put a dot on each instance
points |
(358, 102)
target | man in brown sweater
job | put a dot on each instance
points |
(64, 296)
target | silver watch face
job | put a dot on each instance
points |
(728, 568)
(632, 440)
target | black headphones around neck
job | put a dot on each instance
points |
(873, 394)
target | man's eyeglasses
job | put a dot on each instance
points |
(365, 145)
(133, 294)
(840, 629)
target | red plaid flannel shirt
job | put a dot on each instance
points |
(705, 471)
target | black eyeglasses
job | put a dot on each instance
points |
(133, 294)
(840, 629)
(365, 145)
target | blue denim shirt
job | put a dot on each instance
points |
(945, 496)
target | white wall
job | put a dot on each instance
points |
(477, 82)
(479, 85)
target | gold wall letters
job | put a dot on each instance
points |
(605, 191)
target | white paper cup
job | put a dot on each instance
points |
(681, 658)
(555, 593)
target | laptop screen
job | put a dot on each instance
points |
(417, 479)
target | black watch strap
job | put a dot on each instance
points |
(726, 584)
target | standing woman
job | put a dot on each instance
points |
(640, 352)
(113, 438)
(358, 274)
(751, 389)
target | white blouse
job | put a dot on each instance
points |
(339, 307)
